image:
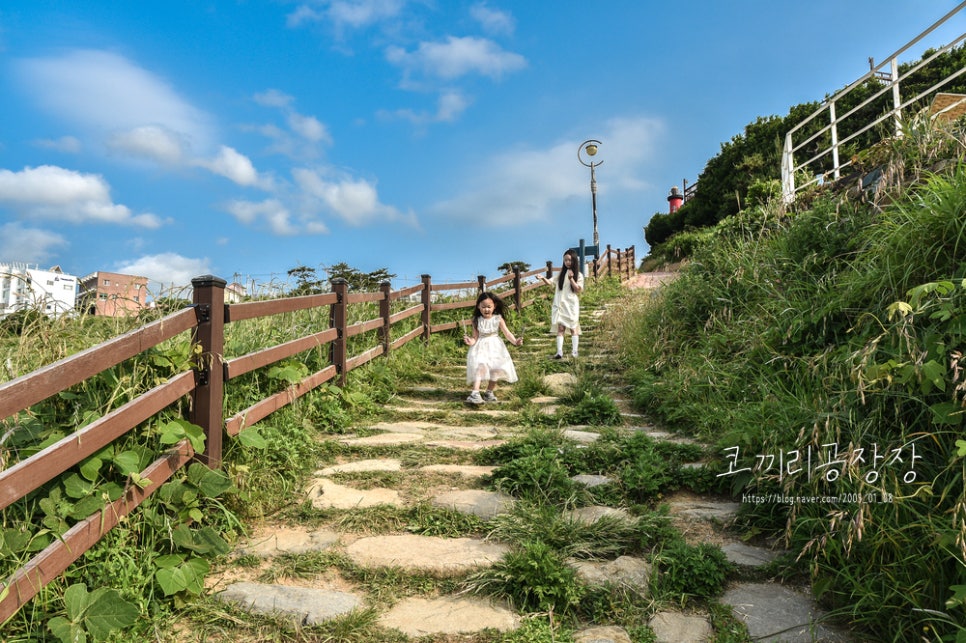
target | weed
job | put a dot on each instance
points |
(534, 578)
(691, 571)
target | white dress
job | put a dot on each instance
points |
(488, 358)
(565, 310)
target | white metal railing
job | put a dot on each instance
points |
(891, 81)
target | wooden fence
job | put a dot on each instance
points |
(206, 319)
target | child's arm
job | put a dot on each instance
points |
(509, 336)
(576, 282)
(471, 339)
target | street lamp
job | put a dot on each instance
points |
(589, 147)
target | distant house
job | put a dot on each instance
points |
(23, 287)
(235, 292)
(113, 294)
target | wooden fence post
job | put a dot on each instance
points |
(480, 283)
(549, 270)
(385, 311)
(517, 284)
(427, 302)
(208, 394)
(337, 319)
(610, 268)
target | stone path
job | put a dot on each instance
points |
(769, 611)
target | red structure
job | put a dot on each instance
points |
(674, 199)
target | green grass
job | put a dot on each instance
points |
(839, 322)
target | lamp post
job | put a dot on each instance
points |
(589, 147)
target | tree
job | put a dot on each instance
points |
(358, 280)
(306, 281)
(508, 267)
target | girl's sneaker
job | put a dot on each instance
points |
(474, 398)
(489, 396)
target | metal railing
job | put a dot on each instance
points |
(796, 139)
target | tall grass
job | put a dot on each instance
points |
(836, 329)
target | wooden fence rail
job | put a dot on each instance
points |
(207, 319)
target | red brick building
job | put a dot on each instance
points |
(113, 294)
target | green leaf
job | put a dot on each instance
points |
(250, 437)
(77, 487)
(201, 541)
(933, 372)
(108, 611)
(187, 576)
(211, 482)
(962, 448)
(66, 631)
(947, 413)
(128, 462)
(86, 507)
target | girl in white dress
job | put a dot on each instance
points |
(488, 359)
(565, 310)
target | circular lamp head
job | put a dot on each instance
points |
(591, 149)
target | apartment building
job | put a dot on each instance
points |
(26, 287)
(113, 294)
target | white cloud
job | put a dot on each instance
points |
(273, 98)
(151, 142)
(29, 245)
(69, 144)
(51, 192)
(524, 186)
(449, 107)
(303, 134)
(343, 14)
(232, 165)
(309, 128)
(355, 201)
(166, 271)
(274, 214)
(457, 57)
(492, 20)
(105, 92)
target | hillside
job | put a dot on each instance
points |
(820, 347)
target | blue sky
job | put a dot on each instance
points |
(242, 138)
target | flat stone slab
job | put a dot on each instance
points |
(544, 399)
(603, 634)
(362, 466)
(484, 504)
(384, 439)
(710, 510)
(443, 556)
(325, 494)
(302, 604)
(590, 515)
(742, 554)
(464, 445)
(591, 481)
(626, 571)
(582, 437)
(560, 383)
(774, 613)
(284, 540)
(447, 615)
(674, 627)
(465, 470)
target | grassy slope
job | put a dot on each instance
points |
(838, 326)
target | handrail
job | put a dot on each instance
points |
(207, 318)
(893, 83)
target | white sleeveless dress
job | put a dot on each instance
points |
(488, 358)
